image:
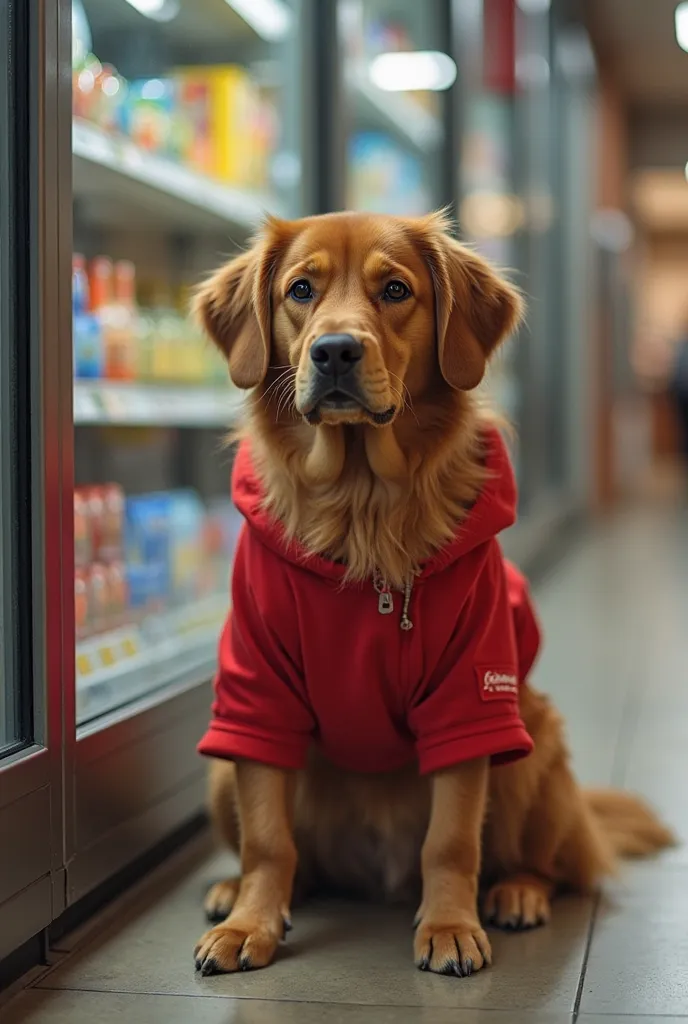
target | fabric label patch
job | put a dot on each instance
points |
(497, 683)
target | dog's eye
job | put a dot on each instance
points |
(301, 291)
(396, 291)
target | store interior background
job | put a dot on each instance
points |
(557, 133)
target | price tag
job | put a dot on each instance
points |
(113, 405)
(84, 665)
(129, 647)
(107, 656)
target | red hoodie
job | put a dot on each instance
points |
(305, 659)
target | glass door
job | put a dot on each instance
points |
(184, 136)
(492, 211)
(31, 854)
(397, 70)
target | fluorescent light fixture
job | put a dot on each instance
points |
(534, 6)
(686, 172)
(270, 19)
(412, 71)
(681, 22)
(156, 10)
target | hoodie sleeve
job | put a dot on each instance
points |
(469, 707)
(260, 710)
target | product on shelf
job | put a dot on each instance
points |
(213, 118)
(148, 114)
(117, 339)
(83, 548)
(385, 178)
(81, 603)
(111, 545)
(87, 334)
(223, 104)
(112, 302)
(186, 515)
(147, 553)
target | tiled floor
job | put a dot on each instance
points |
(616, 619)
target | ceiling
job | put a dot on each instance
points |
(635, 39)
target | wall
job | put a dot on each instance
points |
(663, 304)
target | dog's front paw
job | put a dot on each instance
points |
(239, 944)
(220, 899)
(518, 904)
(459, 948)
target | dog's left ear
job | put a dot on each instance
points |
(476, 309)
(233, 306)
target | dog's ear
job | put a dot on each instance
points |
(476, 309)
(233, 306)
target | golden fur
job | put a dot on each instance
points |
(380, 486)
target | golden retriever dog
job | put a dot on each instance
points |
(373, 712)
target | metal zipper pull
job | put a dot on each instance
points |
(385, 601)
(406, 623)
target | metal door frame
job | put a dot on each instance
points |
(32, 890)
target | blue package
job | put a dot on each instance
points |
(147, 533)
(146, 585)
(88, 346)
(187, 515)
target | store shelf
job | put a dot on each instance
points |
(394, 112)
(100, 402)
(128, 663)
(117, 182)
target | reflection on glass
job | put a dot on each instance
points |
(180, 143)
(396, 72)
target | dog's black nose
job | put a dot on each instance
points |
(336, 354)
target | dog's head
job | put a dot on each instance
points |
(362, 309)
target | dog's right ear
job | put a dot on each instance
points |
(233, 306)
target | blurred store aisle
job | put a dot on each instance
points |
(615, 612)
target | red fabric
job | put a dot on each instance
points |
(305, 659)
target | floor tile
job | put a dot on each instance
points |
(639, 951)
(594, 1018)
(113, 1008)
(339, 953)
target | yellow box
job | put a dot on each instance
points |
(221, 101)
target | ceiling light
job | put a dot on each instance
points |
(156, 10)
(681, 22)
(686, 172)
(270, 19)
(411, 71)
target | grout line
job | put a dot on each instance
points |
(634, 1016)
(586, 953)
(480, 1008)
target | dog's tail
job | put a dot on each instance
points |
(629, 825)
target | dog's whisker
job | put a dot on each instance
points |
(277, 385)
(286, 393)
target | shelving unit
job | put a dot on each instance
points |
(119, 666)
(121, 182)
(101, 402)
(396, 113)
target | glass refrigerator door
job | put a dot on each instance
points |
(178, 154)
(31, 886)
(184, 136)
(396, 72)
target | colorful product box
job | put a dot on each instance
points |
(222, 103)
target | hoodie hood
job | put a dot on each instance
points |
(493, 511)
